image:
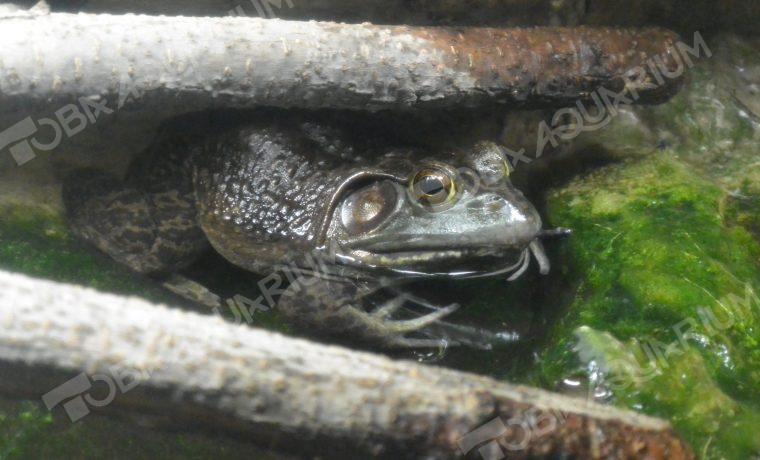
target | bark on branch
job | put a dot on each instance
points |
(682, 15)
(417, 12)
(292, 393)
(188, 63)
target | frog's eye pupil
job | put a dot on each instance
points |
(433, 186)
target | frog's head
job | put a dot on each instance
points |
(455, 214)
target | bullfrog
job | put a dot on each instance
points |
(342, 211)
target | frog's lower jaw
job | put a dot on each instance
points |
(454, 263)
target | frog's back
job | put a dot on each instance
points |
(262, 190)
(254, 185)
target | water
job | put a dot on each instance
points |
(663, 202)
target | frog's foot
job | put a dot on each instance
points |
(192, 291)
(340, 308)
(451, 333)
(337, 308)
(393, 332)
(148, 232)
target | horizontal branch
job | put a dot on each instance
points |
(188, 63)
(736, 16)
(202, 371)
(418, 12)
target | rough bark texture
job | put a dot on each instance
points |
(190, 63)
(292, 393)
(418, 12)
(682, 15)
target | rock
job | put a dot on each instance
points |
(663, 269)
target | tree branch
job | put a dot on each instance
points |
(281, 391)
(417, 12)
(183, 63)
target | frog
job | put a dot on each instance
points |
(345, 213)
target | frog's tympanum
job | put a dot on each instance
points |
(342, 214)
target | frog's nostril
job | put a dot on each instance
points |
(486, 200)
(495, 206)
(475, 205)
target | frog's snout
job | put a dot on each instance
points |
(504, 218)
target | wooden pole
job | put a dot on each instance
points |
(183, 63)
(288, 393)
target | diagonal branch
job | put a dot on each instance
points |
(277, 390)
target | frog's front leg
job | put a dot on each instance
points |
(341, 308)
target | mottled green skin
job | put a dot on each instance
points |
(197, 183)
(278, 195)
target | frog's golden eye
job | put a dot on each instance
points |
(433, 186)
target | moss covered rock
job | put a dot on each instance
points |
(665, 314)
(664, 265)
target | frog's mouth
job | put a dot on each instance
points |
(471, 262)
(492, 249)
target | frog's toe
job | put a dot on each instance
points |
(411, 325)
(392, 332)
(332, 308)
(432, 326)
(406, 342)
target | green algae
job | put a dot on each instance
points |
(664, 265)
(662, 275)
(655, 263)
(682, 386)
(37, 243)
(23, 429)
(28, 430)
(742, 208)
